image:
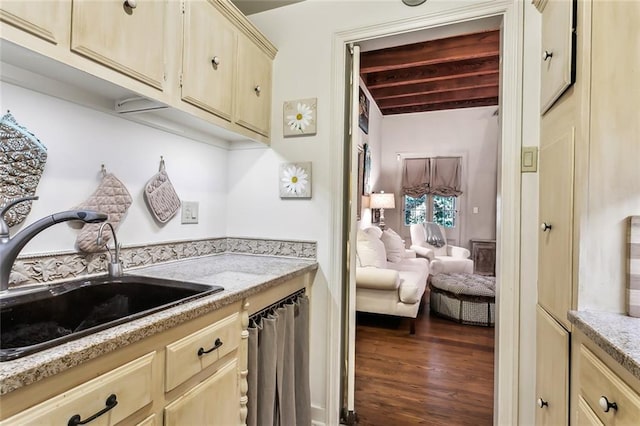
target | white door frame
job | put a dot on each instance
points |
(506, 393)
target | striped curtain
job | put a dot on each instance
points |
(278, 379)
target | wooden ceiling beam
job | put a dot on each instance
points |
(441, 106)
(422, 74)
(468, 46)
(443, 85)
(440, 97)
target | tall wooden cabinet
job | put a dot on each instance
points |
(588, 181)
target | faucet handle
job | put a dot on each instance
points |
(4, 228)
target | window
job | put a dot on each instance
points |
(442, 210)
(415, 210)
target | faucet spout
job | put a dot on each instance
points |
(11, 247)
(115, 267)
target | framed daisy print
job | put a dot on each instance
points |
(295, 180)
(300, 117)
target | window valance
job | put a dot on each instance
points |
(437, 176)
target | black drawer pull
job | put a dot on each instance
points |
(216, 345)
(111, 402)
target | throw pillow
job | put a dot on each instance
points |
(370, 251)
(393, 245)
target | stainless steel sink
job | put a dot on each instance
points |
(31, 321)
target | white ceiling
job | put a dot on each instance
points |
(249, 7)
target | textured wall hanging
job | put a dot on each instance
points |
(295, 180)
(300, 117)
(111, 197)
(161, 198)
(22, 160)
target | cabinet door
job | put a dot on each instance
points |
(552, 371)
(555, 255)
(127, 39)
(253, 107)
(557, 72)
(48, 20)
(215, 401)
(208, 59)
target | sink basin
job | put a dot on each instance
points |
(31, 321)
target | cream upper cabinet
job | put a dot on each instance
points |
(552, 371)
(208, 59)
(212, 402)
(555, 253)
(128, 36)
(48, 20)
(557, 67)
(253, 106)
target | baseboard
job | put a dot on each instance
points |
(318, 415)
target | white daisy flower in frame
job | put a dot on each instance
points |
(295, 180)
(300, 117)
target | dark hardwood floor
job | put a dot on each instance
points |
(442, 375)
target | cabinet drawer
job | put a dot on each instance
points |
(598, 381)
(192, 354)
(131, 384)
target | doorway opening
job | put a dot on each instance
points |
(506, 372)
(430, 102)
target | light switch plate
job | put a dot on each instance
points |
(529, 159)
(189, 212)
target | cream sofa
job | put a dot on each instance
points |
(446, 259)
(389, 279)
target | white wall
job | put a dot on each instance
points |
(79, 140)
(471, 133)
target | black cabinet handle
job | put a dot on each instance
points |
(111, 402)
(216, 345)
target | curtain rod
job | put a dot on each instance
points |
(288, 299)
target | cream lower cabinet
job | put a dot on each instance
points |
(110, 398)
(606, 394)
(552, 371)
(212, 402)
(192, 374)
(204, 360)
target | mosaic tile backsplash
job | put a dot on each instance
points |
(64, 266)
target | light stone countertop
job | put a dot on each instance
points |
(241, 275)
(617, 334)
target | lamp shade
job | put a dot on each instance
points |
(382, 200)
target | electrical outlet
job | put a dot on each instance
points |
(189, 212)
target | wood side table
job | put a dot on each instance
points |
(483, 253)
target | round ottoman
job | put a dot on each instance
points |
(465, 298)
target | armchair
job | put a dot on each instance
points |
(445, 259)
